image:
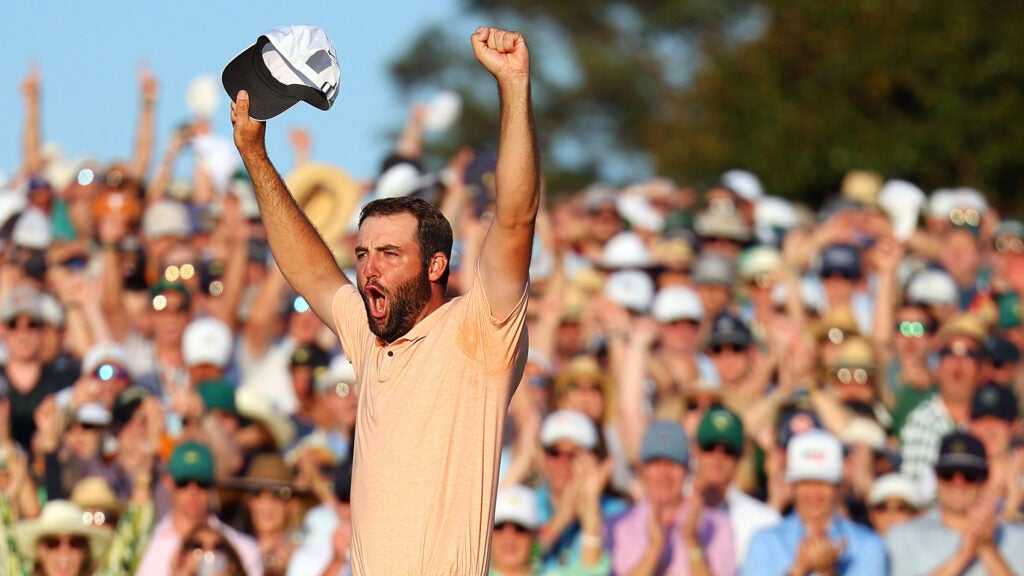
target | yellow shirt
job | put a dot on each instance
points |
(431, 414)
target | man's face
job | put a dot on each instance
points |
(679, 335)
(732, 362)
(511, 546)
(913, 333)
(191, 499)
(663, 481)
(958, 367)
(558, 462)
(958, 491)
(24, 337)
(814, 500)
(390, 273)
(716, 465)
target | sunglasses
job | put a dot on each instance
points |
(32, 324)
(187, 483)
(99, 518)
(960, 351)
(519, 529)
(840, 274)
(108, 372)
(279, 492)
(900, 507)
(192, 544)
(850, 375)
(913, 329)
(721, 348)
(682, 322)
(1009, 245)
(54, 542)
(715, 446)
(694, 405)
(556, 453)
(971, 476)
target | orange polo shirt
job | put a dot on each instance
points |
(431, 414)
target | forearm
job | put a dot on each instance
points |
(32, 161)
(648, 564)
(517, 171)
(144, 137)
(632, 420)
(695, 558)
(956, 564)
(993, 562)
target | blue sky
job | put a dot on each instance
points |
(89, 54)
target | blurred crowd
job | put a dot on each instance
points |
(719, 381)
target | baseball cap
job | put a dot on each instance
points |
(625, 250)
(894, 485)
(1000, 350)
(720, 426)
(166, 218)
(284, 66)
(93, 414)
(961, 452)
(730, 329)
(126, 403)
(568, 425)
(632, 289)
(207, 340)
(962, 324)
(744, 183)
(1008, 304)
(310, 355)
(218, 395)
(713, 270)
(932, 286)
(339, 376)
(22, 300)
(724, 225)
(677, 303)
(814, 455)
(665, 440)
(165, 285)
(843, 259)
(994, 400)
(517, 504)
(757, 260)
(191, 461)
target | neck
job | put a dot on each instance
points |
(714, 495)
(816, 525)
(959, 410)
(183, 524)
(23, 373)
(514, 570)
(954, 520)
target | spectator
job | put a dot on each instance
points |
(59, 542)
(207, 550)
(963, 535)
(189, 480)
(720, 449)
(814, 538)
(960, 352)
(995, 416)
(893, 500)
(665, 533)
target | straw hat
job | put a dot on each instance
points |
(95, 493)
(252, 405)
(60, 517)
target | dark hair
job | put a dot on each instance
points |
(433, 233)
(235, 564)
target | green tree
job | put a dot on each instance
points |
(798, 91)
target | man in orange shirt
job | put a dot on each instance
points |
(434, 375)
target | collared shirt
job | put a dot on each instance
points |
(431, 413)
(923, 544)
(165, 544)
(629, 542)
(922, 435)
(747, 515)
(773, 550)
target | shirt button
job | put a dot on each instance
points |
(391, 353)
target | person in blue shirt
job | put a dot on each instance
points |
(814, 539)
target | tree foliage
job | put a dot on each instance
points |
(798, 91)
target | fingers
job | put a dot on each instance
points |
(503, 41)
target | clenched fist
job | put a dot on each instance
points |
(503, 53)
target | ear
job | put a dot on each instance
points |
(437, 266)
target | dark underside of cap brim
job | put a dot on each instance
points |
(268, 97)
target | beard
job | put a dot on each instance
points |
(405, 303)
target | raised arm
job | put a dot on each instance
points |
(142, 156)
(299, 250)
(505, 257)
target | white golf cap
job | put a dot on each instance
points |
(631, 289)
(894, 485)
(517, 504)
(207, 340)
(677, 303)
(568, 425)
(814, 455)
(284, 66)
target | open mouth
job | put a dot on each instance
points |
(377, 301)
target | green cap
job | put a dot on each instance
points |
(218, 395)
(165, 285)
(1009, 310)
(191, 461)
(720, 426)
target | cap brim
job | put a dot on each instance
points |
(267, 96)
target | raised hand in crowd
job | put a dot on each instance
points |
(301, 143)
(817, 554)
(49, 426)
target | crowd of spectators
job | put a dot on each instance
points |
(719, 381)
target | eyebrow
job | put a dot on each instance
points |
(380, 248)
